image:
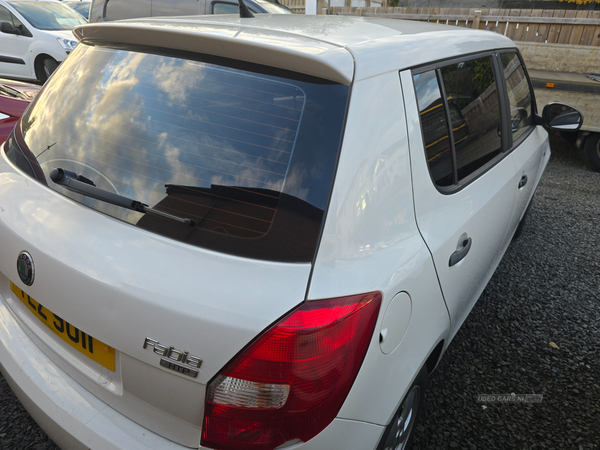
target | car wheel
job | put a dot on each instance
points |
(399, 432)
(47, 66)
(591, 151)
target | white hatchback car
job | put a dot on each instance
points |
(257, 233)
(35, 36)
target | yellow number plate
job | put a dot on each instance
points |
(80, 341)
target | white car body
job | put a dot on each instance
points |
(387, 229)
(20, 55)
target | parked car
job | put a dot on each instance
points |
(218, 233)
(103, 10)
(82, 7)
(35, 36)
(14, 98)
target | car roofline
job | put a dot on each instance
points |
(336, 48)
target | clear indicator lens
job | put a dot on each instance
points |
(248, 394)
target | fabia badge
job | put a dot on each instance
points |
(174, 359)
(25, 268)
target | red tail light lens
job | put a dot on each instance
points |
(292, 381)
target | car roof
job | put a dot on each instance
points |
(339, 48)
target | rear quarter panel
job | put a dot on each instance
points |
(370, 243)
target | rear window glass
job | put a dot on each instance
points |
(244, 153)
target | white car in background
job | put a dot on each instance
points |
(35, 36)
(258, 233)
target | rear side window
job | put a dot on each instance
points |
(247, 155)
(519, 94)
(463, 133)
(435, 128)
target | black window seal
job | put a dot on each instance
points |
(437, 65)
(438, 75)
(503, 101)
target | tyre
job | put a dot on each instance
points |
(45, 68)
(591, 151)
(398, 434)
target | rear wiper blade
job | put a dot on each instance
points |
(81, 185)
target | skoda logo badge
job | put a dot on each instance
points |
(25, 268)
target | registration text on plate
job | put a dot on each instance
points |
(80, 341)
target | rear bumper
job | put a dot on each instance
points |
(69, 414)
(76, 419)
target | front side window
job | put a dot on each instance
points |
(519, 94)
(246, 155)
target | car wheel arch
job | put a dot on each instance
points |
(435, 357)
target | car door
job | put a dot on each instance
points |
(528, 141)
(14, 54)
(463, 179)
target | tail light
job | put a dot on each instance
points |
(290, 383)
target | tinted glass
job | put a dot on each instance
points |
(519, 94)
(435, 128)
(82, 8)
(474, 112)
(48, 16)
(225, 8)
(247, 155)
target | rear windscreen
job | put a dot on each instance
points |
(245, 153)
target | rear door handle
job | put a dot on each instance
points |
(523, 181)
(458, 255)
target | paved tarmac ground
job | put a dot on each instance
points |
(546, 290)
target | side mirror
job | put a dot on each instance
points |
(7, 28)
(559, 117)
